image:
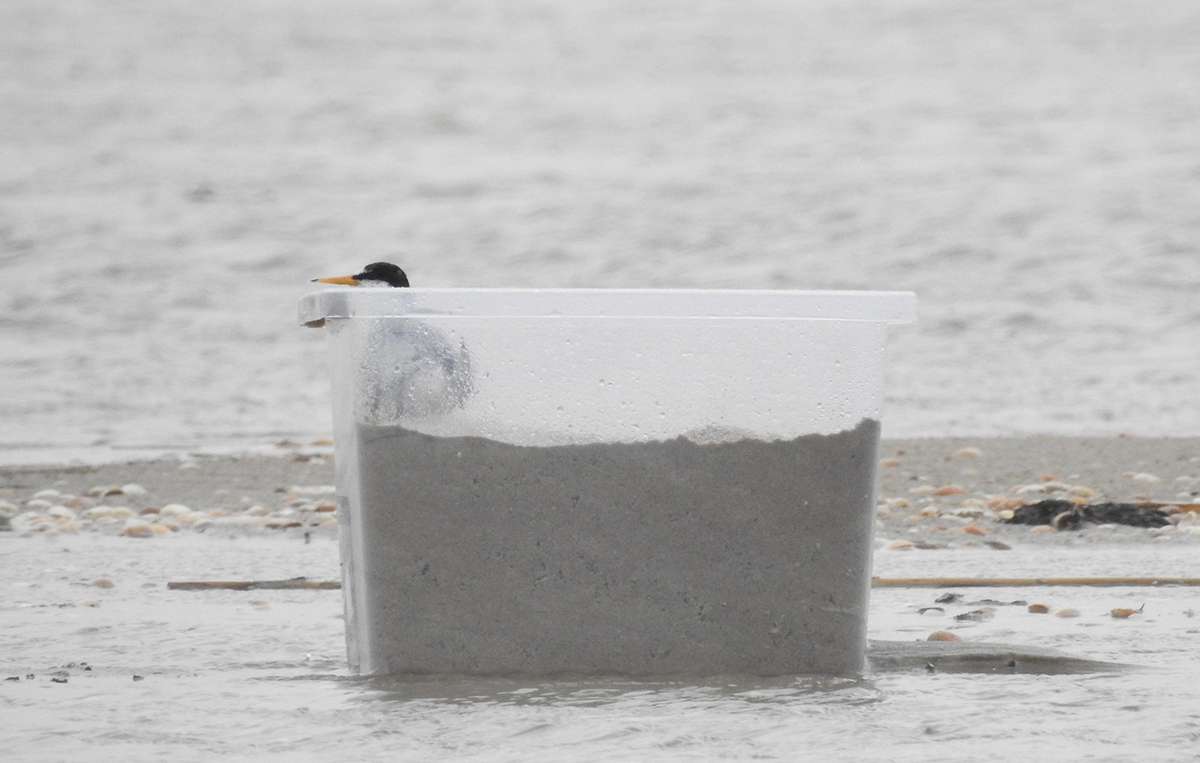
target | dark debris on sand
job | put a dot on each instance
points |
(1065, 515)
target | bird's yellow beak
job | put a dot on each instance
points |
(344, 280)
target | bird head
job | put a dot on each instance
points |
(375, 274)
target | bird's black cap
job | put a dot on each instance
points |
(383, 272)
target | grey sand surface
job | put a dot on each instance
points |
(652, 558)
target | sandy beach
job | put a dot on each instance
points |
(101, 652)
(930, 489)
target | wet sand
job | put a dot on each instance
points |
(91, 620)
(929, 489)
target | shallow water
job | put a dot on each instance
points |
(173, 175)
(224, 676)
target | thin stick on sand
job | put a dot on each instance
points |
(252, 585)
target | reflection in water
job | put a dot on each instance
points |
(614, 691)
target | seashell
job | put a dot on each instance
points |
(138, 531)
(1082, 492)
(898, 503)
(48, 493)
(76, 502)
(102, 583)
(1144, 477)
(260, 604)
(968, 452)
(311, 490)
(943, 636)
(968, 511)
(111, 512)
(998, 545)
(889, 462)
(279, 524)
(134, 489)
(949, 490)
(8, 509)
(325, 506)
(1067, 612)
(89, 603)
(1071, 519)
(900, 544)
(883, 512)
(974, 529)
(37, 504)
(930, 511)
(923, 490)
(102, 490)
(174, 510)
(977, 615)
(149, 510)
(1039, 609)
(1125, 614)
(158, 529)
(1041, 487)
(322, 441)
(31, 521)
(1005, 504)
(61, 513)
(1042, 529)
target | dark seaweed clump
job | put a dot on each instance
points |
(1064, 515)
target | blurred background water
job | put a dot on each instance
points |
(173, 173)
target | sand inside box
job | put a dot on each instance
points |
(645, 558)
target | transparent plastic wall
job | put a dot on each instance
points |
(643, 366)
(515, 496)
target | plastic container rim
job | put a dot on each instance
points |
(892, 307)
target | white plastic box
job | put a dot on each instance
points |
(628, 482)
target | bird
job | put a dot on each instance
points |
(410, 368)
(375, 274)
